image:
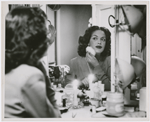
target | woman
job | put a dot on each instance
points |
(86, 63)
(28, 90)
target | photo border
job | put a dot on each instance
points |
(3, 12)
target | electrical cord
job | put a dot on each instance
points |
(117, 23)
(109, 21)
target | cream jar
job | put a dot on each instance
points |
(115, 104)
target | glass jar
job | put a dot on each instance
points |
(115, 104)
(69, 92)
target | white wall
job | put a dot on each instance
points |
(72, 21)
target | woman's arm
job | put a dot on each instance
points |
(43, 66)
(101, 75)
(36, 102)
(98, 70)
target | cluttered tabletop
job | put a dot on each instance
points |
(75, 103)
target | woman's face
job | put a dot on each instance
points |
(98, 41)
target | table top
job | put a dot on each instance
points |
(78, 113)
(87, 114)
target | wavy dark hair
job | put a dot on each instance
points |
(26, 37)
(84, 41)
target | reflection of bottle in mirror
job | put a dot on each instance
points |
(62, 77)
(59, 88)
(56, 72)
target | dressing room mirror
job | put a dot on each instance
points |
(128, 32)
(71, 21)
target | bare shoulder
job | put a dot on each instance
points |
(33, 75)
(30, 70)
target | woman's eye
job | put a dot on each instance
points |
(103, 39)
(94, 38)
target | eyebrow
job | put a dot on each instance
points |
(94, 35)
(101, 37)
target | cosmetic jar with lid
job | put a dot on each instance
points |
(115, 104)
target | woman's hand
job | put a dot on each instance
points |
(91, 59)
(85, 81)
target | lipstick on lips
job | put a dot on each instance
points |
(99, 47)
